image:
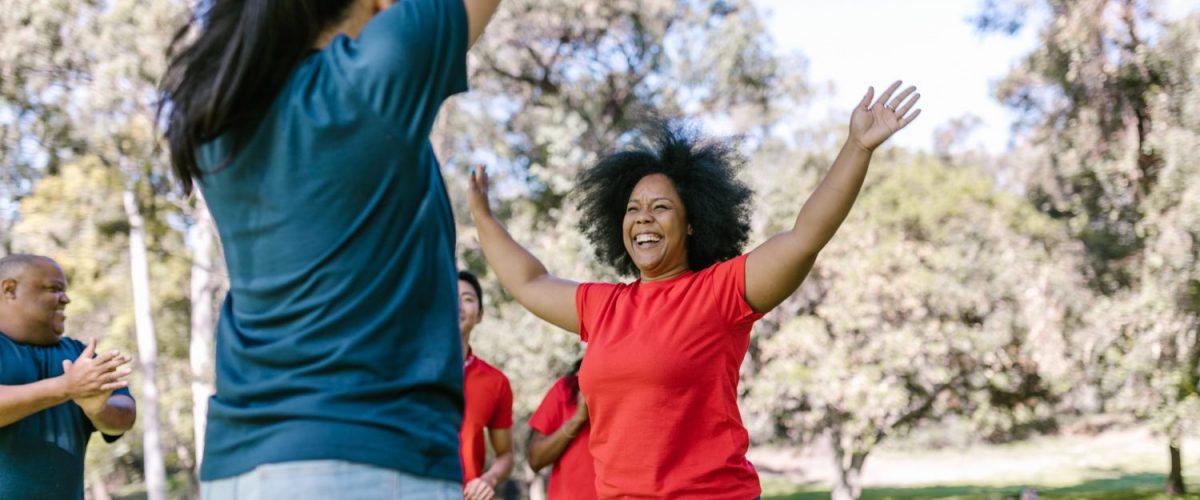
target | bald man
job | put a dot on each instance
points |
(54, 391)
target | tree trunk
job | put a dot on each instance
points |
(847, 480)
(204, 288)
(1175, 486)
(156, 475)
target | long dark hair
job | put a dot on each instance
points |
(227, 64)
(572, 379)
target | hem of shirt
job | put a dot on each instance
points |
(310, 440)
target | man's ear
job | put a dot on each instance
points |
(8, 288)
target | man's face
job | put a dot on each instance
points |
(469, 313)
(38, 298)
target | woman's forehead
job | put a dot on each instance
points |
(654, 186)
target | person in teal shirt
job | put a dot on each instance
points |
(305, 125)
(55, 391)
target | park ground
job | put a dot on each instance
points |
(1116, 464)
(1124, 463)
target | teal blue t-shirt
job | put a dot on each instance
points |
(339, 336)
(41, 456)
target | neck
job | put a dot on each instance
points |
(26, 335)
(673, 273)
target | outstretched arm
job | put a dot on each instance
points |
(523, 275)
(776, 268)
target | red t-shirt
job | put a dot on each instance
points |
(488, 404)
(660, 378)
(573, 476)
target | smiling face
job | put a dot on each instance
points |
(35, 302)
(655, 228)
(469, 312)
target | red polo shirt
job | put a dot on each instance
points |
(489, 399)
(660, 377)
(573, 477)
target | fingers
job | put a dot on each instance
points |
(908, 119)
(116, 361)
(887, 94)
(895, 103)
(901, 110)
(112, 386)
(106, 357)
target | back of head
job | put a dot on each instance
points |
(227, 64)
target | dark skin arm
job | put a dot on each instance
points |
(545, 450)
(87, 379)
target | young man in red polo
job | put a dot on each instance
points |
(488, 404)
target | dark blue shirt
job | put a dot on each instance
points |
(41, 456)
(339, 336)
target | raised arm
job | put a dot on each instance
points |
(523, 275)
(479, 14)
(776, 268)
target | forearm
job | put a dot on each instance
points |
(515, 267)
(829, 205)
(500, 469)
(546, 450)
(116, 417)
(20, 401)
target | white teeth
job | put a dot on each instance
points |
(646, 238)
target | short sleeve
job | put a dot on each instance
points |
(591, 302)
(728, 280)
(407, 61)
(502, 416)
(549, 416)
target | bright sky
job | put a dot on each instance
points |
(929, 43)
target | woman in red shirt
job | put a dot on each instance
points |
(559, 437)
(661, 371)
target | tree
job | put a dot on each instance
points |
(1107, 102)
(942, 297)
(80, 77)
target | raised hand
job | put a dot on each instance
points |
(477, 197)
(872, 123)
(90, 379)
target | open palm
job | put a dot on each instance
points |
(872, 123)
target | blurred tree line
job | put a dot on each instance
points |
(1002, 296)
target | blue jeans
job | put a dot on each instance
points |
(328, 479)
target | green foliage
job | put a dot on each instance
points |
(940, 296)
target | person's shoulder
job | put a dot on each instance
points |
(723, 269)
(490, 370)
(72, 344)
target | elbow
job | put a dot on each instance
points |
(537, 461)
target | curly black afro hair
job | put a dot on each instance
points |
(704, 172)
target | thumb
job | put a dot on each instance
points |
(89, 351)
(866, 100)
(66, 364)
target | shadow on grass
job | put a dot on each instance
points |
(1132, 486)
